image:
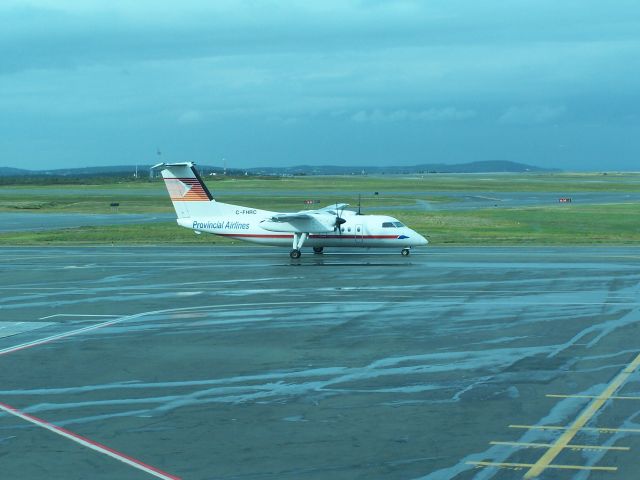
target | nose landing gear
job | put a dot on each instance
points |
(406, 252)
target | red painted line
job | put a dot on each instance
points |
(98, 447)
(321, 237)
(254, 235)
(356, 237)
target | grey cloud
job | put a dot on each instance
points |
(432, 114)
(48, 34)
(532, 114)
(347, 78)
(190, 116)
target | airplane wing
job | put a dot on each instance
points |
(288, 217)
(313, 221)
(329, 208)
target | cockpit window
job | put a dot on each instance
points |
(392, 225)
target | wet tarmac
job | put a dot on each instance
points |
(239, 363)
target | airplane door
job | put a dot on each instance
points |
(359, 234)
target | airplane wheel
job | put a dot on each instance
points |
(318, 250)
(405, 252)
(294, 254)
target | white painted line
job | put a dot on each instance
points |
(98, 447)
(585, 416)
(114, 321)
(53, 338)
(9, 329)
(165, 286)
(75, 315)
(9, 324)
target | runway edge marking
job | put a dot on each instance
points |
(587, 429)
(569, 446)
(613, 397)
(98, 447)
(586, 415)
(519, 466)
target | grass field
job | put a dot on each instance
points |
(571, 224)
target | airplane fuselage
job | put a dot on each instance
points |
(357, 231)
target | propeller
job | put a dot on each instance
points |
(359, 201)
(339, 220)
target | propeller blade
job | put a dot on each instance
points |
(339, 220)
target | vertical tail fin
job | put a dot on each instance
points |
(189, 195)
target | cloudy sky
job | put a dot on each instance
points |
(547, 82)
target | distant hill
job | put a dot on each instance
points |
(493, 166)
(12, 172)
(113, 170)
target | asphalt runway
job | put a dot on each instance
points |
(240, 363)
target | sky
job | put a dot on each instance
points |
(349, 82)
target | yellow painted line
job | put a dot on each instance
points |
(528, 465)
(546, 445)
(586, 415)
(613, 397)
(589, 429)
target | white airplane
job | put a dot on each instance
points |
(332, 226)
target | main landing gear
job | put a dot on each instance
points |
(406, 252)
(298, 240)
(318, 250)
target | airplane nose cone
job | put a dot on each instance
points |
(417, 240)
